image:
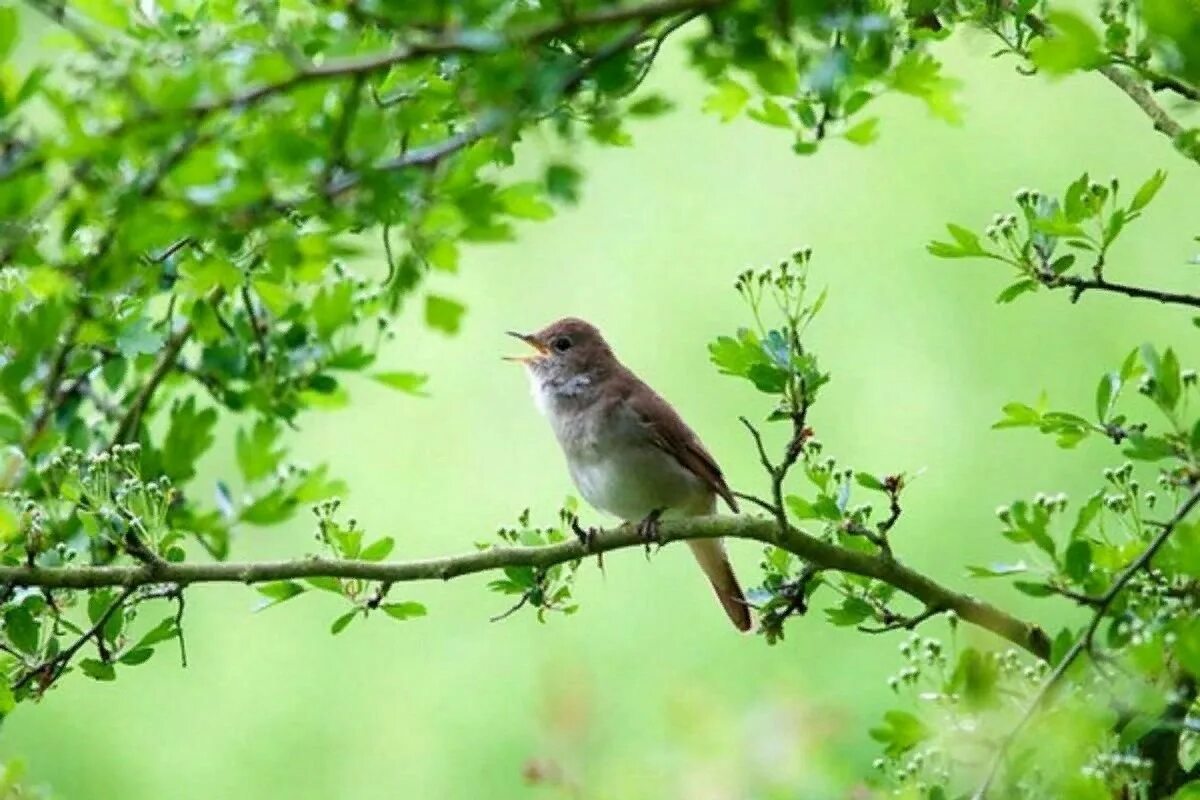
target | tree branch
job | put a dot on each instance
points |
(1079, 285)
(469, 42)
(819, 553)
(1084, 642)
(167, 359)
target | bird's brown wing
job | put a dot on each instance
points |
(669, 432)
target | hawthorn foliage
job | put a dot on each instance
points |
(185, 184)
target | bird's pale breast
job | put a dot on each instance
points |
(617, 467)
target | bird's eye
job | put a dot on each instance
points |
(561, 344)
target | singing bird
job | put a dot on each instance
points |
(628, 451)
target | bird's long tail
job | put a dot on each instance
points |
(715, 563)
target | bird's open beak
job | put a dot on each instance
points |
(532, 342)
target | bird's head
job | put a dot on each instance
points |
(564, 350)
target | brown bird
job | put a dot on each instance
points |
(627, 450)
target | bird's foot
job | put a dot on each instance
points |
(587, 538)
(648, 530)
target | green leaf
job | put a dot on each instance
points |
(1148, 448)
(277, 592)
(919, 74)
(325, 583)
(443, 314)
(523, 200)
(9, 31)
(1015, 290)
(864, 132)
(1187, 648)
(332, 308)
(98, 670)
(139, 339)
(1019, 415)
(165, 630)
(852, 611)
(1106, 395)
(22, 629)
(341, 622)
(1167, 382)
(975, 677)
(1032, 589)
(997, 570)
(1078, 560)
(728, 100)
(771, 114)
(1087, 513)
(135, 657)
(257, 455)
(900, 732)
(651, 105)
(1148, 190)
(403, 611)
(869, 481)
(1073, 45)
(378, 550)
(1189, 791)
(408, 382)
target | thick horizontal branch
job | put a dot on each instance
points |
(821, 554)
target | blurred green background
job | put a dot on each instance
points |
(647, 692)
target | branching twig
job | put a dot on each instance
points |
(167, 359)
(1079, 285)
(1084, 642)
(50, 671)
(895, 622)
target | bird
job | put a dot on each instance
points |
(628, 451)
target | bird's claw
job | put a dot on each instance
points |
(586, 536)
(648, 530)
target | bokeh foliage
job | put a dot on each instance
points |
(184, 184)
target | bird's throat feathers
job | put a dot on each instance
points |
(552, 389)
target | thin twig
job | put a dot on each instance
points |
(903, 623)
(50, 671)
(1084, 642)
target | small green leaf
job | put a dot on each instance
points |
(771, 114)
(9, 31)
(1078, 560)
(651, 105)
(1073, 45)
(277, 592)
(1015, 290)
(864, 132)
(728, 100)
(135, 657)
(524, 201)
(341, 622)
(852, 611)
(900, 732)
(22, 629)
(403, 611)
(443, 314)
(378, 550)
(869, 481)
(408, 382)
(1148, 190)
(98, 670)
(1106, 395)
(997, 570)
(1033, 589)
(325, 583)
